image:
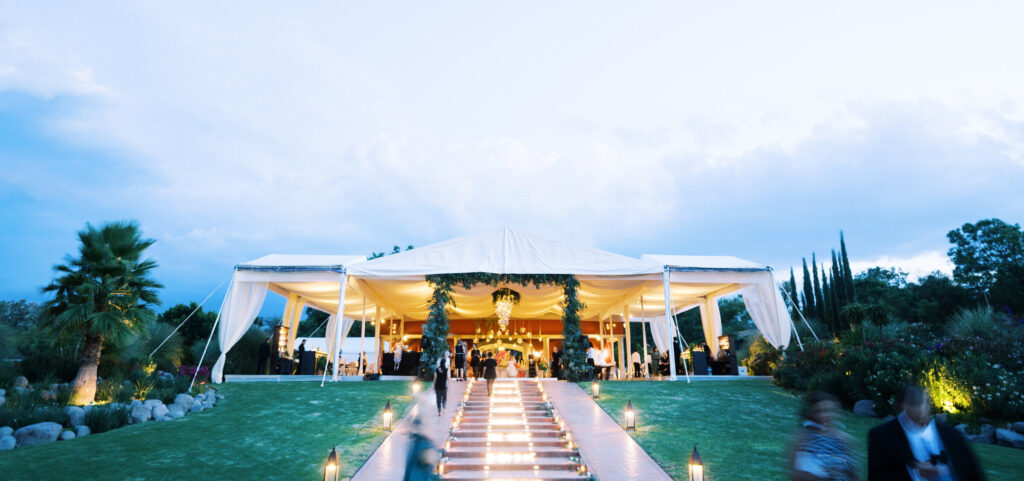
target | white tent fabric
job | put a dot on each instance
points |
(711, 320)
(395, 285)
(241, 305)
(766, 308)
(504, 251)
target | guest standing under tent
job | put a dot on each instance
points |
(460, 360)
(398, 357)
(556, 363)
(490, 372)
(474, 362)
(635, 358)
(264, 355)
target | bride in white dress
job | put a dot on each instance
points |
(512, 370)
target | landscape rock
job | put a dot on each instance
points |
(3, 392)
(1018, 427)
(1005, 437)
(82, 431)
(162, 418)
(176, 410)
(7, 443)
(136, 402)
(20, 382)
(87, 408)
(962, 429)
(986, 436)
(184, 400)
(38, 433)
(76, 415)
(6, 431)
(66, 435)
(864, 407)
(159, 411)
(152, 403)
(141, 414)
(197, 407)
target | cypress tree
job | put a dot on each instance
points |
(792, 293)
(838, 285)
(808, 292)
(851, 293)
(835, 301)
(819, 299)
(826, 294)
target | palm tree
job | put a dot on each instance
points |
(102, 296)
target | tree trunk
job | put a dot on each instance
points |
(84, 385)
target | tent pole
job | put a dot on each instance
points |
(670, 320)
(208, 339)
(189, 316)
(362, 337)
(376, 339)
(801, 314)
(330, 348)
(796, 334)
(341, 323)
(629, 347)
(643, 328)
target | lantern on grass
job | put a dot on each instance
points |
(630, 417)
(595, 389)
(415, 388)
(696, 466)
(332, 469)
(387, 416)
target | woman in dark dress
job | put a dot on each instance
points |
(460, 360)
(532, 369)
(556, 363)
(441, 383)
(474, 362)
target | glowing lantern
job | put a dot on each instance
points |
(630, 417)
(595, 389)
(387, 416)
(332, 469)
(696, 466)
(415, 388)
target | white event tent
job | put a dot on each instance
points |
(651, 289)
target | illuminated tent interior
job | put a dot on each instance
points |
(393, 292)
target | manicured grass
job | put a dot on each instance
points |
(275, 431)
(741, 428)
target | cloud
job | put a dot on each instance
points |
(916, 266)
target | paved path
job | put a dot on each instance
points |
(387, 463)
(610, 453)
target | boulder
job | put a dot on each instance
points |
(6, 431)
(1018, 427)
(38, 433)
(962, 429)
(87, 408)
(987, 435)
(176, 410)
(197, 407)
(159, 411)
(82, 431)
(1005, 437)
(135, 402)
(66, 435)
(141, 414)
(184, 400)
(7, 443)
(76, 415)
(162, 418)
(21, 382)
(3, 392)
(152, 403)
(864, 407)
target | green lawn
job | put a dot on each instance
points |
(741, 429)
(261, 431)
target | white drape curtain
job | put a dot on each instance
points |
(330, 334)
(346, 324)
(711, 320)
(769, 312)
(332, 323)
(241, 305)
(659, 332)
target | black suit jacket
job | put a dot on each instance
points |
(889, 453)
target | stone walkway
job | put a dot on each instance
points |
(387, 463)
(609, 452)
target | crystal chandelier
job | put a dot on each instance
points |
(504, 300)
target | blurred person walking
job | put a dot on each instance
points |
(820, 451)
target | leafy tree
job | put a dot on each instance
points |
(809, 306)
(980, 250)
(103, 295)
(19, 313)
(394, 250)
(198, 327)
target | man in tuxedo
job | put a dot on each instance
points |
(915, 447)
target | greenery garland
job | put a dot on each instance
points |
(435, 330)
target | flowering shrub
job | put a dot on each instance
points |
(189, 371)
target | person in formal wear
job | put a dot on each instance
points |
(531, 366)
(820, 451)
(423, 457)
(398, 357)
(556, 363)
(460, 360)
(474, 362)
(264, 355)
(490, 372)
(635, 359)
(592, 360)
(915, 447)
(647, 364)
(441, 382)
(663, 366)
(302, 350)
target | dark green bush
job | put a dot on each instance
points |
(103, 418)
(28, 408)
(42, 365)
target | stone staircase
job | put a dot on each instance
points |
(514, 435)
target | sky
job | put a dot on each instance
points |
(232, 130)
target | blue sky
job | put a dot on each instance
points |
(233, 130)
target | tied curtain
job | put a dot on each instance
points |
(335, 339)
(241, 305)
(711, 319)
(768, 310)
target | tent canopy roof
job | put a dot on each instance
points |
(300, 262)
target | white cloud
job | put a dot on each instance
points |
(916, 266)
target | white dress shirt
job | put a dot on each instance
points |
(924, 442)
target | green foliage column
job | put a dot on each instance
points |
(435, 330)
(574, 349)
